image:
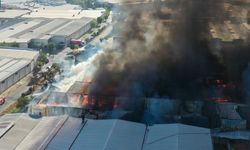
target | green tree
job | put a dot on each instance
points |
(22, 101)
(106, 14)
(51, 47)
(72, 46)
(99, 20)
(41, 47)
(93, 24)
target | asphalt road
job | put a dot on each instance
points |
(14, 92)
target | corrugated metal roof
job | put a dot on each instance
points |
(44, 29)
(56, 133)
(4, 127)
(3, 61)
(178, 137)
(66, 135)
(22, 127)
(110, 135)
(73, 27)
(19, 65)
(17, 53)
(4, 75)
(11, 67)
(40, 136)
(16, 28)
(9, 64)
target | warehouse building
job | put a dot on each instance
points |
(14, 65)
(19, 131)
(35, 32)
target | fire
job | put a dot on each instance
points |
(220, 99)
(85, 101)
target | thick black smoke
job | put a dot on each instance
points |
(164, 51)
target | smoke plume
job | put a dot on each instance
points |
(164, 50)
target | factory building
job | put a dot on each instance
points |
(20, 131)
(14, 65)
(52, 2)
(35, 32)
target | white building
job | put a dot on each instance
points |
(42, 31)
(14, 65)
(63, 132)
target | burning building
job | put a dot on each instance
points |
(174, 50)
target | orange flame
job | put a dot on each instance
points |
(85, 101)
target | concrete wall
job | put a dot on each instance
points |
(80, 32)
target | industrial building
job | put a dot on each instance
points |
(64, 12)
(19, 131)
(52, 2)
(14, 65)
(34, 32)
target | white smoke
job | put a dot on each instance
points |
(80, 72)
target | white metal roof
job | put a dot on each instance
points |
(25, 31)
(41, 135)
(22, 127)
(72, 27)
(57, 133)
(44, 29)
(66, 14)
(110, 135)
(3, 61)
(9, 64)
(4, 127)
(12, 13)
(4, 75)
(12, 67)
(177, 137)
(19, 65)
(66, 136)
(17, 53)
(17, 28)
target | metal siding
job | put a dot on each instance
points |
(10, 81)
(22, 73)
(12, 72)
(4, 75)
(16, 76)
(2, 87)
